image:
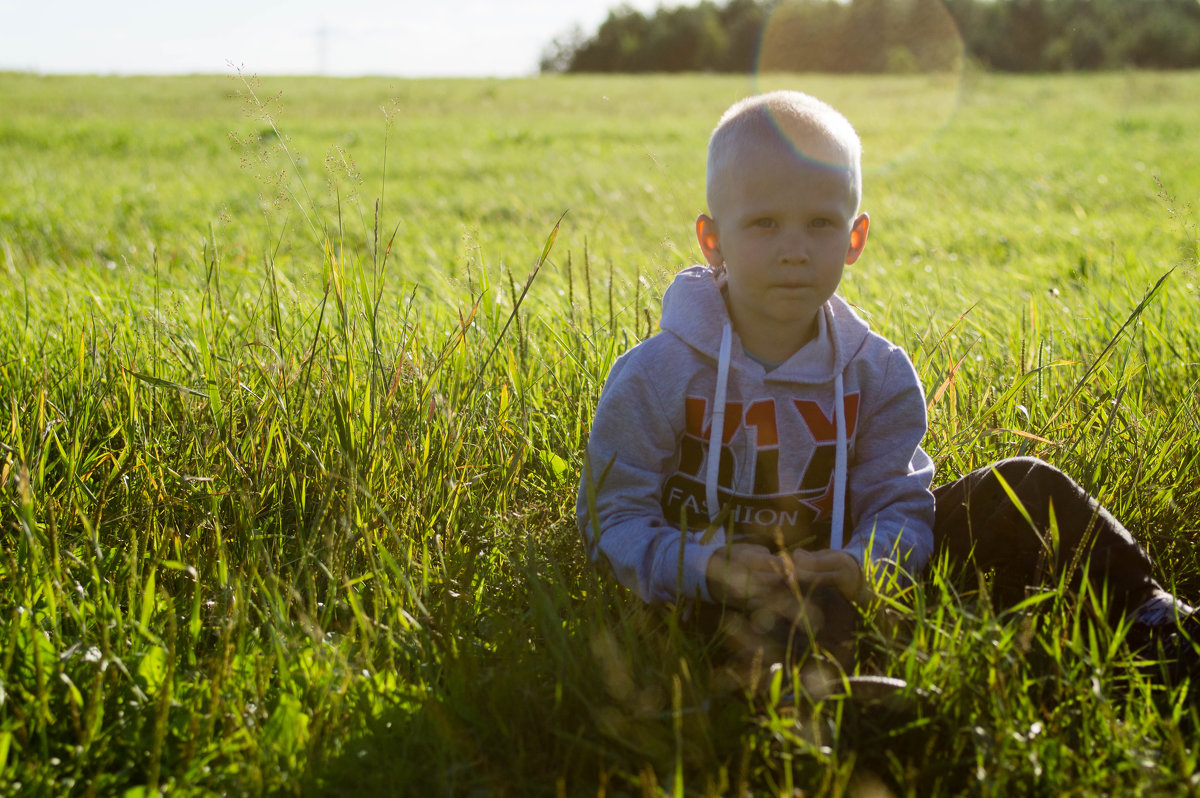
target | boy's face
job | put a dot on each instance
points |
(784, 227)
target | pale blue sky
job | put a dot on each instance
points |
(404, 37)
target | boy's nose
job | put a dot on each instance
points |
(793, 249)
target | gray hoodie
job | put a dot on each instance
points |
(792, 473)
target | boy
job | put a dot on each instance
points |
(761, 454)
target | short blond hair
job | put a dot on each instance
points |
(811, 128)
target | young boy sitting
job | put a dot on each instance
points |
(761, 454)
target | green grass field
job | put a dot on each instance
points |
(289, 455)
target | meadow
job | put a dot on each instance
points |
(296, 375)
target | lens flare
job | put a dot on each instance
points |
(913, 47)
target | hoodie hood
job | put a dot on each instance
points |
(694, 310)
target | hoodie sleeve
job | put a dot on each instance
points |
(891, 506)
(631, 449)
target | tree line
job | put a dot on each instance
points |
(887, 36)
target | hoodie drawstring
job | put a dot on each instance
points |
(716, 435)
(839, 465)
(717, 432)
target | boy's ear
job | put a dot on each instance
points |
(710, 244)
(858, 238)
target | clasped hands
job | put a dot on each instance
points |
(749, 575)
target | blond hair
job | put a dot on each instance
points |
(811, 128)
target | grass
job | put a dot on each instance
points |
(289, 455)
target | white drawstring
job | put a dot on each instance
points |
(717, 433)
(839, 465)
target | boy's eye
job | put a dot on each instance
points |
(765, 222)
(820, 223)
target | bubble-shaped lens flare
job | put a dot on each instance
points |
(913, 47)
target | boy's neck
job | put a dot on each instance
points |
(778, 344)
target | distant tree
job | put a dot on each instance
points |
(685, 39)
(615, 46)
(1158, 34)
(929, 33)
(865, 37)
(559, 53)
(803, 36)
(743, 22)
(1032, 35)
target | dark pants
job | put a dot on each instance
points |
(977, 524)
(979, 527)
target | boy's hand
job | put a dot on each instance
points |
(830, 567)
(743, 574)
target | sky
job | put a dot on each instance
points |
(409, 38)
